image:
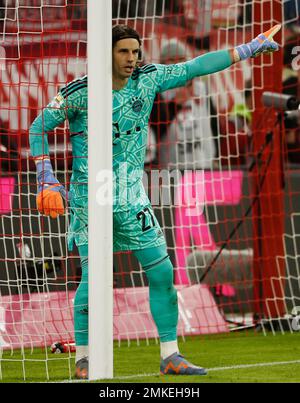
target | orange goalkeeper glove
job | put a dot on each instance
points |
(50, 191)
(263, 43)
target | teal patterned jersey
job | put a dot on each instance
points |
(69, 104)
(131, 110)
(132, 106)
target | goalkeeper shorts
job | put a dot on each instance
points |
(78, 228)
(137, 229)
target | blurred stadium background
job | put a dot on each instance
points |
(237, 261)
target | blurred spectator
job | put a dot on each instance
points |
(190, 143)
(198, 16)
(197, 22)
(168, 104)
(235, 133)
(181, 118)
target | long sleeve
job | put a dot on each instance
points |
(50, 118)
(177, 75)
(65, 106)
(209, 63)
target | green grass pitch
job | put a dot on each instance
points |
(234, 357)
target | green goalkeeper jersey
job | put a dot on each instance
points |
(132, 106)
(131, 110)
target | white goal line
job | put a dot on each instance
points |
(216, 369)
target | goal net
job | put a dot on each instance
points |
(222, 173)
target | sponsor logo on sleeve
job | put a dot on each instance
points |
(57, 101)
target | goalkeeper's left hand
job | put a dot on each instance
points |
(263, 43)
(50, 192)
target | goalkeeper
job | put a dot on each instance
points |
(135, 226)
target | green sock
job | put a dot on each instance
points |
(81, 319)
(163, 300)
(162, 293)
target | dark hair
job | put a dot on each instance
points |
(123, 32)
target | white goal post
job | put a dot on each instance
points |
(100, 168)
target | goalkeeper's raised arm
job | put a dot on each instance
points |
(215, 61)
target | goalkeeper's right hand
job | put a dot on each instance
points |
(263, 43)
(50, 191)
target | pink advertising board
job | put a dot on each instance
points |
(41, 319)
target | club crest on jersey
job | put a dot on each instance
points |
(137, 104)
